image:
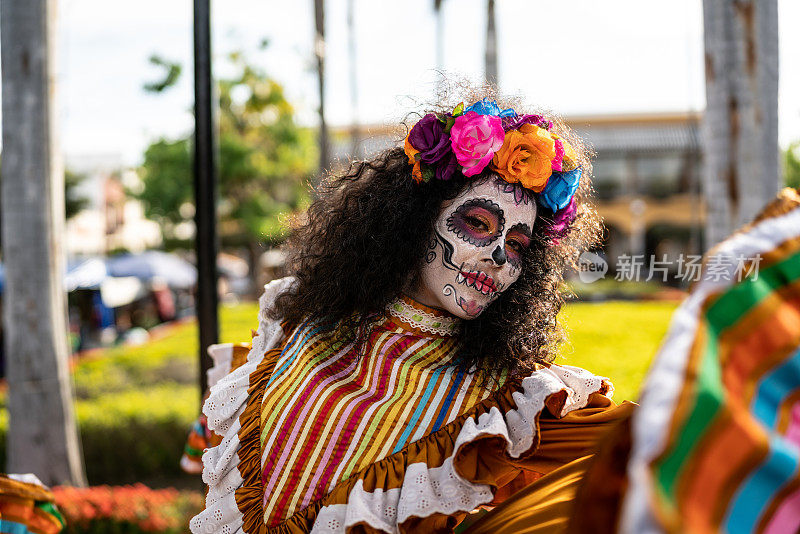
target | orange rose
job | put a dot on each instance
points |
(412, 152)
(526, 157)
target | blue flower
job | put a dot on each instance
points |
(489, 107)
(560, 188)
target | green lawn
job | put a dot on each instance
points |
(615, 339)
(170, 357)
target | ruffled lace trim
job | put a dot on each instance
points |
(223, 408)
(222, 355)
(425, 491)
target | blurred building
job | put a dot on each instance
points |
(647, 172)
(112, 220)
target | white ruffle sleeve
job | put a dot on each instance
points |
(227, 400)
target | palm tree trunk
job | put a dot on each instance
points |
(319, 51)
(437, 9)
(491, 45)
(42, 436)
(351, 49)
(741, 119)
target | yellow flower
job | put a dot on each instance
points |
(569, 158)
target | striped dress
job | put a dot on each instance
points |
(318, 436)
(329, 411)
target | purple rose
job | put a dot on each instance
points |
(428, 136)
(446, 167)
(561, 221)
(514, 122)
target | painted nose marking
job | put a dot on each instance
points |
(499, 255)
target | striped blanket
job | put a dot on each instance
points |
(715, 444)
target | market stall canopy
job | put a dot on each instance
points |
(119, 291)
(85, 274)
(154, 265)
(80, 274)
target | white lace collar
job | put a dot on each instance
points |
(444, 325)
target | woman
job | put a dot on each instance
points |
(402, 378)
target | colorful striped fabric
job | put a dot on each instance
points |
(226, 357)
(328, 412)
(196, 442)
(27, 507)
(717, 436)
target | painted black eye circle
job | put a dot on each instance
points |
(515, 246)
(477, 223)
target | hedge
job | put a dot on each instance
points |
(132, 435)
(135, 404)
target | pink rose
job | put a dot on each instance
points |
(558, 160)
(475, 138)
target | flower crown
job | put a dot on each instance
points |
(519, 148)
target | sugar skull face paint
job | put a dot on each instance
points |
(476, 248)
(478, 221)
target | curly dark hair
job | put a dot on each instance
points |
(364, 240)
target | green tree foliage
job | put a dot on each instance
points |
(74, 203)
(265, 161)
(172, 71)
(791, 165)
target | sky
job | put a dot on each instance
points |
(574, 57)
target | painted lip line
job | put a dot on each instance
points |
(479, 280)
